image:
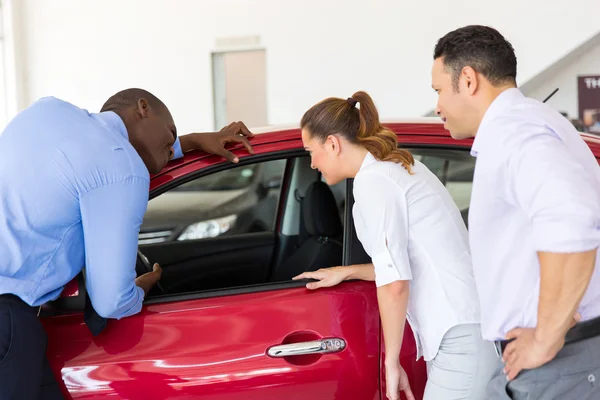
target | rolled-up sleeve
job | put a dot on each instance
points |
(558, 195)
(111, 217)
(383, 230)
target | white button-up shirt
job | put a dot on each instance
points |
(412, 230)
(536, 188)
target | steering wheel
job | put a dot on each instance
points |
(143, 265)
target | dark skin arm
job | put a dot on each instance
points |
(215, 142)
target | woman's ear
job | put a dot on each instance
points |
(333, 144)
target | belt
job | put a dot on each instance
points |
(581, 331)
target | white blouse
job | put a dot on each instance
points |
(412, 230)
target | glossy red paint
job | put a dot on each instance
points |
(216, 348)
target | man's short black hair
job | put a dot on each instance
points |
(482, 48)
(129, 98)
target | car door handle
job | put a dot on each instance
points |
(322, 346)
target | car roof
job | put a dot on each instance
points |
(424, 130)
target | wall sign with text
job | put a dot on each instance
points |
(588, 88)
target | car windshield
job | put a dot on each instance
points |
(231, 179)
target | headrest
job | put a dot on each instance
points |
(321, 215)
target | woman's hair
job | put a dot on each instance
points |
(358, 125)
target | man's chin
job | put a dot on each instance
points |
(156, 169)
(459, 135)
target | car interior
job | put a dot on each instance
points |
(306, 232)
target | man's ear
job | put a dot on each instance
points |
(142, 108)
(470, 80)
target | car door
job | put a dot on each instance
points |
(260, 341)
(237, 344)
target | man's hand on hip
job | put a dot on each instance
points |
(149, 279)
(528, 351)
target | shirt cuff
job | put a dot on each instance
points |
(388, 271)
(177, 152)
(136, 307)
(558, 237)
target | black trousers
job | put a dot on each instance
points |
(24, 369)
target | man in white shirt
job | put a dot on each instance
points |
(534, 221)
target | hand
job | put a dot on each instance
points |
(149, 279)
(527, 351)
(326, 277)
(396, 381)
(215, 142)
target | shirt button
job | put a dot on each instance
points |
(591, 378)
(390, 265)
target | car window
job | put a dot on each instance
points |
(238, 200)
(230, 179)
(455, 170)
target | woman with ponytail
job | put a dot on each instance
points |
(411, 228)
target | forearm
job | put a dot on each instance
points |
(393, 300)
(564, 279)
(364, 272)
(187, 143)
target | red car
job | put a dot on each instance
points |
(227, 321)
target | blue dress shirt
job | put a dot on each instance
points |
(73, 191)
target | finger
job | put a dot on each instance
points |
(513, 366)
(314, 285)
(511, 360)
(242, 140)
(513, 333)
(223, 152)
(241, 128)
(409, 394)
(508, 351)
(157, 270)
(304, 275)
(513, 372)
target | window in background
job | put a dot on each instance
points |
(239, 87)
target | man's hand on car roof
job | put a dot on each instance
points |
(215, 142)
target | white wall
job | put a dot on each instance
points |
(565, 78)
(83, 51)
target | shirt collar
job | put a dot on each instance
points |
(499, 104)
(112, 121)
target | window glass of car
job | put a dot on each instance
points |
(238, 200)
(455, 169)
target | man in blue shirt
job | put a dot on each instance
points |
(73, 192)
